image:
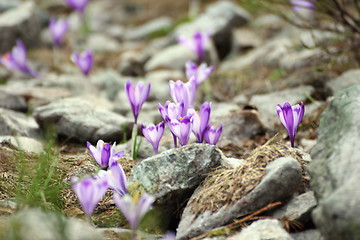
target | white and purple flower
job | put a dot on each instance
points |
(200, 120)
(77, 5)
(104, 154)
(17, 60)
(196, 44)
(181, 128)
(58, 28)
(154, 134)
(84, 61)
(198, 73)
(291, 117)
(137, 96)
(212, 134)
(183, 93)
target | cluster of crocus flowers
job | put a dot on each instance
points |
(90, 190)
(196, 44)
(134, 208)
(84, 61)
(58, 28)
(104, 154)
(77, 5)
(291, 117)
(17, 60)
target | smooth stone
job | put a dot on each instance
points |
(263, 230)
(100, 42)
(298, 208)
(81, 121)
(12, 102)
(22, 22)
(144, 31)
(23, 143)
(312, 234)
(345, 80)
(34, 223)
(16, 123)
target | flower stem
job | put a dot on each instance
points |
(133, 138)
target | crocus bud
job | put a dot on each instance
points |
(154, 134)
(84, 61)
(291, 117)
(77, 5)
(196, 44)
(212, 134)
(198, 73)
(89, 191)
(137, 96)
(58, 28)
(134, 208)
(17, 60)
(200, 120)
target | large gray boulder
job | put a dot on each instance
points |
(172, 176)
(335, 168)
(22, 22)
(79, 120)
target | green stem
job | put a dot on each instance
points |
(134, 138)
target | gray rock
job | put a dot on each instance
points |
(15, 123)
(269, 54)
(108, 83)
(22, 22)
(297, 209)
(79, 120)
(172, 175)
(33, 223)
(345, 80)
(23, 143)
(115, 31)
(13, 102)
(335, 166)
(282, 179)
(100, 42)
(263, 230)
(266, 103)
(144, 31)
(239, 126)
(312, 234)
(132, 64)
(296, 60)
(244, 39)
(315, 38)
(220, 18)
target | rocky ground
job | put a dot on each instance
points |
(252, 185)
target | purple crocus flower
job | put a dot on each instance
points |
(198, 73)
(302, 5)
(196, 44)
(77, 5)
(17, 60)
(133, 208)
(116, 178)
(212, 134)
(153, 134)
(183, 92)
(89, 191)
(172, 110)
(181, 128)
(58, 29)
(104, 154)
(290, 117)
(137, 96)
(200, 120)
(84, 61)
